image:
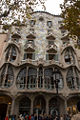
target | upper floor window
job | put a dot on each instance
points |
(72, 78)
(50, 42)
(32, 23)
(29, 55)
(7, 76)
(69, 56)
(11, 54)
(51, 56)
(49, 24)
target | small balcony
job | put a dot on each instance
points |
(29, 47)
(52, 48)
(50, 37)
(16, 35)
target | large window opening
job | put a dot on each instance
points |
(7, 76)
(11, 54)
(32, 78)
(69, 56)
(58, 76)
(21, 79)
(48, 75)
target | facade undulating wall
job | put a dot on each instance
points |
(38, 60)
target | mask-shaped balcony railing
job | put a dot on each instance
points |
(29, 47)
(52, 48)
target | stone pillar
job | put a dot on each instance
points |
(43, 77)
(8, 108)
(65, 106)
(47, 106)
(27, 68)
(12, 106)
(31, 106)
(74, 74)
(37, 76)
(5, 76)
(64, 73)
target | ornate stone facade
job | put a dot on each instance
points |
(32, 58)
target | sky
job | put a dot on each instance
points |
(52, 6)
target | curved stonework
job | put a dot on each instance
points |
(41, 58)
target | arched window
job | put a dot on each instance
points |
(7, 76)
(48, 75)
(69, 56)
(21, 79)
(40, 78)
(11, 54)
(32, 78)
(25, 106)
(73, 78)
(58, 76)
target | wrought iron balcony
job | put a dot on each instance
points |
(29, 47)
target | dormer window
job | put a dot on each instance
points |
(49, 24)
(32, 23)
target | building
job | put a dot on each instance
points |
(33, 56)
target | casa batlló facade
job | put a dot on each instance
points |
(33, 56)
